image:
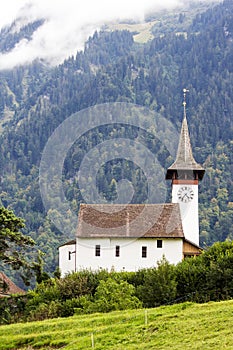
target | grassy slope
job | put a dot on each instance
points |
(142, 31)
(160, 22)
(182, 326)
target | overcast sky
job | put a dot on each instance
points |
(68, 24)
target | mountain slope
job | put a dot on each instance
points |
(35, 99)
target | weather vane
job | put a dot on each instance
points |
(185, 92)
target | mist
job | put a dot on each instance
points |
(67, 25)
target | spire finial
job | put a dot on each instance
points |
(184, 102)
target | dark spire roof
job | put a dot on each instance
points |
(185, 161)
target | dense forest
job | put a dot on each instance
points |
(35, 99)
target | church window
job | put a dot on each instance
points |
(70, 254)
(159, 243)
(97, 250)
(144, 252)
(117, 250)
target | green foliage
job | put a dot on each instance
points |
(111, 295)
(12, 308)
(191, 278)
(219, 261)
(11, 239)
(207, 277)
(85, 291)
(57, 297)
(158, 286)
(38, 268)
(14, 244)
(53, 309)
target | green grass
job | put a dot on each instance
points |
(182, 326)
(142, 31)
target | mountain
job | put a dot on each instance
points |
(12, 35)
(192, 50)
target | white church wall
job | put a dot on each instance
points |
(67, 259)
(130, 258)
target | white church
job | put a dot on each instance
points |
(135, 236)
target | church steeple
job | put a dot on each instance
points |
(185, 166)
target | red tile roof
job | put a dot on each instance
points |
(130, 220)
(11, 289)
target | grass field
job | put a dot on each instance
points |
(182, 326)
(142, 31)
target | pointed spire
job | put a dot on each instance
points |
(184, 153)
(185, 166)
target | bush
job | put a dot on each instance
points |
(159, 285)
(191, 277)
(204, 278)
(207, 277)
(111, 295)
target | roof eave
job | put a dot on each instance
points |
(175, 170)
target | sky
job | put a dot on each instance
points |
(68, 24)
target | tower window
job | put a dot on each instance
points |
(117, 250)
(144, 252)
(159, 243)
(97, 250)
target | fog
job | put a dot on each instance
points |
(67, 24)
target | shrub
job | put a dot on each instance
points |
(191, 277)
(111, 295)
(159, 285)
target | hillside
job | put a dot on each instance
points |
(182, 326)
(35, 99)
(160, 23)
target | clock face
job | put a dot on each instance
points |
(185, 194)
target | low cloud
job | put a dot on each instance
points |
(67, 25)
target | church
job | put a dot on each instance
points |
(135, 236)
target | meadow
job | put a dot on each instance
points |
(180, 326)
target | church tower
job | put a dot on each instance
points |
(185, 174)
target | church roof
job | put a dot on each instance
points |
(130, 220)
(71, 242)
(184, 158)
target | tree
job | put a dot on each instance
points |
(159, 285)
(191, 278)
(13, 242)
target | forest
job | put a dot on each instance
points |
(36, 99)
